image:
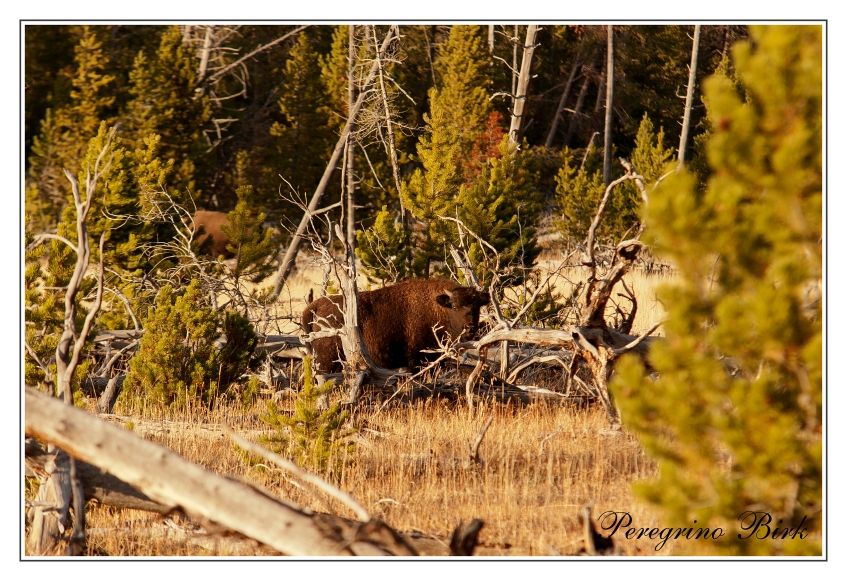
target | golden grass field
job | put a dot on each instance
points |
(407, 469)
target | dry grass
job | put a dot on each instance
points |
(410, 470)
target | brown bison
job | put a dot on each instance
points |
(397, 321)
(212, 222)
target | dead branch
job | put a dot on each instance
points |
(97, 484)
(474, 448)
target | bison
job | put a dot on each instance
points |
(397, 321)
(212, 222)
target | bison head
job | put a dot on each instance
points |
(463, 306)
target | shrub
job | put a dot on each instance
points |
(178, 360)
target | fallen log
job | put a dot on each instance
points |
(97, 484)
(168, 479)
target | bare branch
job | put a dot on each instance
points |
(213, 78)
(633, 344)
(39, 238)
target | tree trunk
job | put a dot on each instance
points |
(204, 55)
(291, 253)
(52, 502)
(689, 95)
(351, 164)
(523, 85)
(610, 78)
(577, 108)
(562, 100)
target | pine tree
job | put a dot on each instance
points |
(748, 296)
(462, 95)
(315, 438)
(459, 110)
(303, 135)
(431, 192)
(580, 190)
(578, 194)
(254, 247)
(65, 132)
(178, 362)
(165, 102)
(503, 207)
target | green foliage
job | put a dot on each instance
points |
(462, 94)
(253, 246)
(459, 109)
(315, 439)
(251, 392)
(178, 361)
(578, 194)
(580, 190)
(164, 102)
(503, 207)
(64, 133)
(303, 135)
(383, 249)
(749, 257)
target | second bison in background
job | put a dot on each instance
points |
(397, 321)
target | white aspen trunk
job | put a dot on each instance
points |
(689, 95)
(204, 54)
(610, 70)
(523, 84)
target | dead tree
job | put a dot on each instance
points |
(218, 61)
(358, 363)
(287, 262)
(551, 134)
(610, 85)
(689, 95)
(591, 339)
(520, 95)
(61, 482)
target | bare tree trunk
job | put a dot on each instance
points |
(291, 253)
(63, 481)
(204, 54)
(523, 85)
(562, 100)
(610, 83)
(392, 149)
(49, 515)
(491, 39)
(689, 95)
(514, 64)
(577, 108)
(351, 164)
